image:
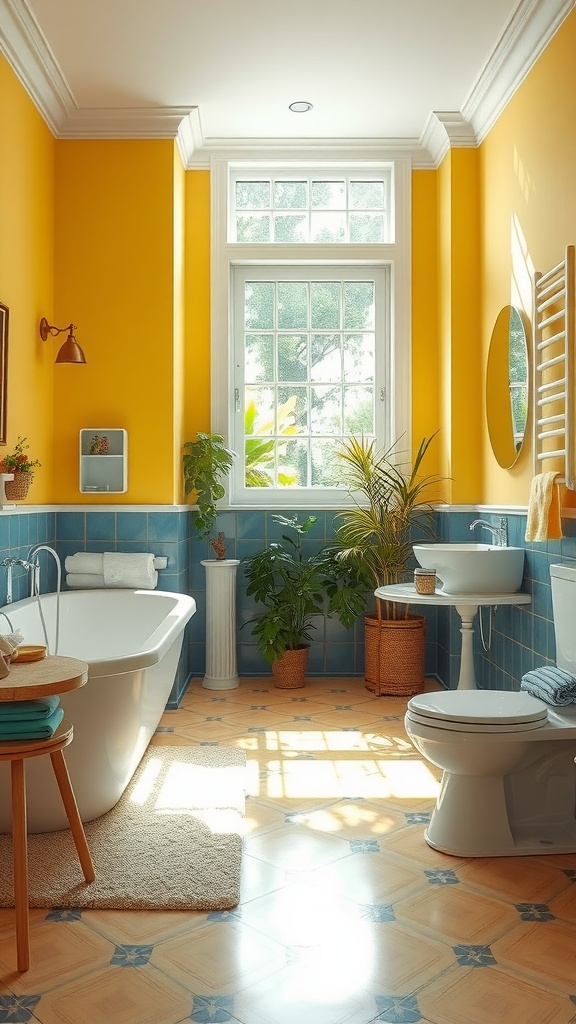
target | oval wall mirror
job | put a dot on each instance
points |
(507, 386)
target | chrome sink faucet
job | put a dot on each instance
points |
(500, 532)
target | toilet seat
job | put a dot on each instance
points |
(478, 711)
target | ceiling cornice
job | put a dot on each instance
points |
(525, 37)
(22, 42)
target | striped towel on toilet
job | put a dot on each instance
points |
(551, 684)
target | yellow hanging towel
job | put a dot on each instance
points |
(544, 522)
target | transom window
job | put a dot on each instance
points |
(310, 321)
(312, 208)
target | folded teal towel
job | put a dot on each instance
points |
(17, 710)
(551, 684)
(29, 729)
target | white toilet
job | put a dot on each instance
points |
(509, 782)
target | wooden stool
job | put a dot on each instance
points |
(17, 751)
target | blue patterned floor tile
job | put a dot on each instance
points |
(417, 817)
(398, 1009)
(378, 912)
(474, 956)
(224, 915)
(364, 846)
(64, 914)
(535, 912)
(131, 956)
(212, 1009)
(17, 1009)
(442, 876)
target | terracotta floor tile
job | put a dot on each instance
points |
(490, 995)
(346, 915)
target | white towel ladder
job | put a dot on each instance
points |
(553, 333)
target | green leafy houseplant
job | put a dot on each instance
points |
(374, 535)
(206, 462)
(294, 587)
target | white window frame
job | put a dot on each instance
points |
(225, 255)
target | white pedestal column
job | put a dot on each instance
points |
(221, 671)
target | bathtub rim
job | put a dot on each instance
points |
(157, 644)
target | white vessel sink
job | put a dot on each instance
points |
(473, 568)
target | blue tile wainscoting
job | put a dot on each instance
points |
(521, 637)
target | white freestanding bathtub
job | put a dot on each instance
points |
(131, 640)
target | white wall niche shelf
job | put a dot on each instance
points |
(103, 471)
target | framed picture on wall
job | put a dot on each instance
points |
(3, 369)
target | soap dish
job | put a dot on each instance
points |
(28, 652)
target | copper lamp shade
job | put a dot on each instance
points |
(70, 351)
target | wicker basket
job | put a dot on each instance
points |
(289, 671)
(394, 655)
(17, 489)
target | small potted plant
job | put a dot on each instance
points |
(205, 462)
(22, 467)
(294, 587)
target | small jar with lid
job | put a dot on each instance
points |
(425, 581)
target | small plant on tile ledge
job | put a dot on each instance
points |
(18, 463)
(294, 588)
(206, 462)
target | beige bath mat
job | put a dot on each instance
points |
(173, 842)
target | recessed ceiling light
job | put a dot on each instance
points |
(300, 106)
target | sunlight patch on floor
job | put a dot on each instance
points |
(334, 779)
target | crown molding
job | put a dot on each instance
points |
(529, 30)
(446, 130)
(524, 39)
(125, 123)
(300, 150)
(34, 64)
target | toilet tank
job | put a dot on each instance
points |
(563, 580)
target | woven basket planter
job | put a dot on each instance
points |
(394, 655)
(289, 671)
(17, 489)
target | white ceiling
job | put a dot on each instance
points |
(405, 74)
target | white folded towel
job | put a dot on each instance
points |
(129, 570)
(85, 580)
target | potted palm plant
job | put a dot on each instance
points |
(375, 535)
(293, 588)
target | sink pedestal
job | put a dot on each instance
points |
(467, 677)
(466, 605)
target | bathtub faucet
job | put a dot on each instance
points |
(34, 565)
(500, 532)
(9, 564)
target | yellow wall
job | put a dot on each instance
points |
(115, 277)
(26, 273)
(114, 236)
(528, 212)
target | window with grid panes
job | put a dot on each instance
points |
(308, 267)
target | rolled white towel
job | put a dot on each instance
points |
(84, 580)
(122, 569)
(85, 561)
(93, 562)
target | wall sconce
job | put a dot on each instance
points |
(70, 352)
